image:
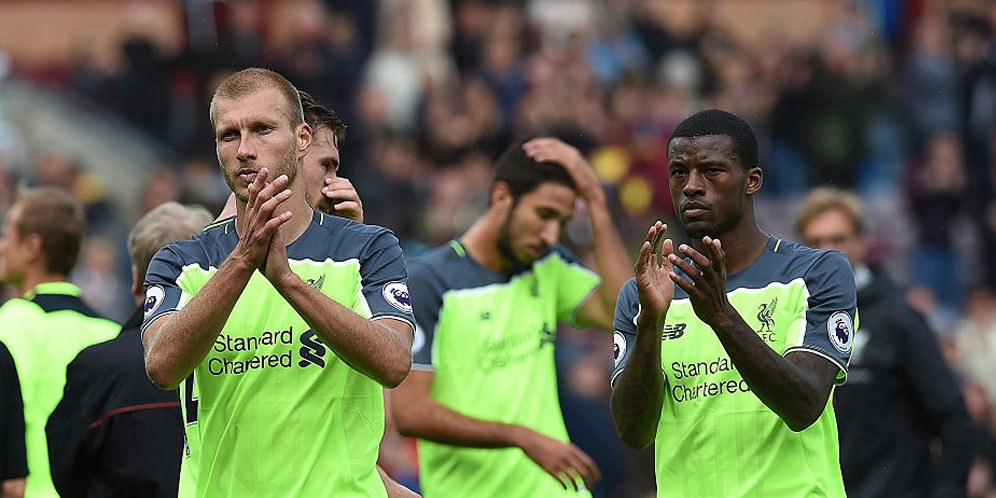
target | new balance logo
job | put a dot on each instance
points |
(673, 331)
(312, 350)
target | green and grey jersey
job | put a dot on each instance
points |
(45, 331)
(271, 410)
(715, 437)
(489, 339)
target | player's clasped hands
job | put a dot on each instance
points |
(706, 285)
(261, 224)
(564, 461)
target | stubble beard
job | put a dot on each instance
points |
(714, 230)
(505, 239)
(287, 166)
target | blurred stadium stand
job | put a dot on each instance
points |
(894, 98)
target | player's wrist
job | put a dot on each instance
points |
(594, 197)
(650, 321)
(283, 279)
(240, 262)
(725, 319)
(515, 435)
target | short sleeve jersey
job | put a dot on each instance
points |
(489, 339)
(271, 410)
(715, 437)
(44, 331)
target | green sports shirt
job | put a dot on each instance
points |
(489, 338)
(715, 437)
(44, 331)
(271, 411)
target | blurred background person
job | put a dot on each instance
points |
(114, 433)
(49, 324)
(901, 400)
(13, 459)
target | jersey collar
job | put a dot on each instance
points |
(61, 288)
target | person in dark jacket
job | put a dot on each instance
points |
(115, 434)
(13, 455)
(901, 397)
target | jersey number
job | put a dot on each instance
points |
(189, 400)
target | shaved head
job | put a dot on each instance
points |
(252, 80)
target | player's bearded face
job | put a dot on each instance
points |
(287, 165)
(253, 132)
(534, 222)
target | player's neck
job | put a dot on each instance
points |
(34, 278)
(481, 243)
(743, 244)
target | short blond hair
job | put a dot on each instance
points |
(255, 79)
(823, 199)
(165, 224)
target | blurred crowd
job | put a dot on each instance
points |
(895, 99)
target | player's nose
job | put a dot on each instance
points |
(247, 149)
(550, 233)
(695, 184)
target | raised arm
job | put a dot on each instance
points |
(176, 342)
(614, 265)
(638, 388)
(795, 386)
(416, 414)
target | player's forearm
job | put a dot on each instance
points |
(175, 346)
(373, 349)
(793, 391)
(427, 419)
(611, 257)
(638, 394)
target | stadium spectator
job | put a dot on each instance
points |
(484, 384)
(49, 324)
(250, 341)
(727, 357)
(901, 397)
(114, 433)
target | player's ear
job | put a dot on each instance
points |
(304, 134)
(33, 244)
(755, 178)
(500, 196)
